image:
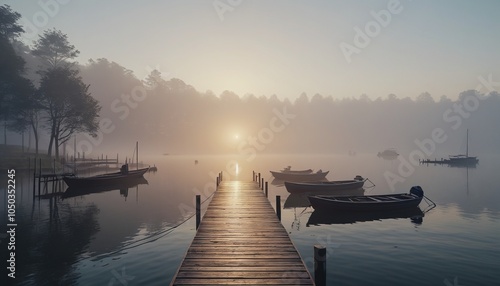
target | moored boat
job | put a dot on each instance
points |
(289, 170)
(368, 203)
(105, 179)
(348, 217)
(287, 176)
(300, 187)
(124, 185)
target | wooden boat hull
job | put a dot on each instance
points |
(104, 180)
(349, 217)
(367, 203)
(324, 186)
(295, 200)
(125, 185)
(294, 177)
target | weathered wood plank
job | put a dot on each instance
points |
(240, 241)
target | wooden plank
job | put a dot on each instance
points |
(240, 241)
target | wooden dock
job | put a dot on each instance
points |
(240, 241)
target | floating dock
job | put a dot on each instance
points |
(241, 241)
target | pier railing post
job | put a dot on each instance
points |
(259, 180)
(319, 265)
(262, 184)
(198, 211)
(267, 189)
(278, 207)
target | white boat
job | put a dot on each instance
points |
(329, 186)
(293, 177)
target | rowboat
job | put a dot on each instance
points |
(289, 170)
(122, 186)
(348, 217)
(105, 179)
(368, 203)
(300, 187)
(287, 176)
(296, 200)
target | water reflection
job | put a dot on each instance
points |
(349, 217)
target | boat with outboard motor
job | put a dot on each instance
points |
(368, 203)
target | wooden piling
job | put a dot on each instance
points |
(319, 265)
(267, 193)
(198, 211)
(278, 207)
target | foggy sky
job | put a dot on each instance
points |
(286, 47)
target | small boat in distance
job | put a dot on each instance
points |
(391, 152)
(301, 176)
(368, 203)
(463, 160)
(301, 187)
(105, 179)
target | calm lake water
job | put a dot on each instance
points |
(135, 236)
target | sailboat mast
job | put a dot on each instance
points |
(467, 146)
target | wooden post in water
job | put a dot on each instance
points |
(253, 176)
(198, 211)
(319, 265)
(39, 175)
(34, 177)
(137, 155)
(259, 180)
(217, 181)
(262, 184)
(267, 189)
(278, 207)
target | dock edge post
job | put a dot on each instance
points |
(319, 265)
(198, 211)
(278, 207)
(267, 192)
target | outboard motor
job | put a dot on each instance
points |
(358, 178)
(124, 169)
(417, 191)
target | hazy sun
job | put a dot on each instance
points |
(236, 136)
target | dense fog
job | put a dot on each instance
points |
(169, 116)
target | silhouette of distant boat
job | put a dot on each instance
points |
(391, 152)
(463, 159)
